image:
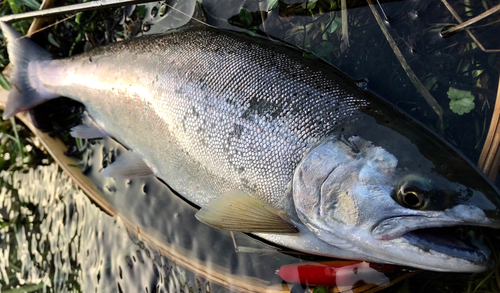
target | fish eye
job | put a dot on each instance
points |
(412, 197)
(412, 192)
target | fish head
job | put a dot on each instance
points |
(381, 194)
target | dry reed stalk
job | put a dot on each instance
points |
(414, 79)
(473, 37)
(38, 23)
(489, 160)
(469, 22)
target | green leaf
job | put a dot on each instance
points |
(429, 82)
(163, 10)
(461, 101)
(140, 10)
(338, 21)
(461, 107)
(15, 5)
(309, 4)
(4, 82)
(18, 141)
(272, 4)
(32, 4)
(333, 5)
(485, 279)
(78, 18)
(5, 8)
(332, 26)
(319, 289)
(309, 55)
(324, 49)
(53, 41)
(245, 17)
(77, 40)
(252, 33)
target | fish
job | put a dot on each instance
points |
(268, 142)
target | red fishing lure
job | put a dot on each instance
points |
(336, 273)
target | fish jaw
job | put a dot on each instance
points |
(459, 215)
(422, 239)
(344, 193)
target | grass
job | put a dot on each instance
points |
(17, 146)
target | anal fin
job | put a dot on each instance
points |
(128, 165)
(237, 211)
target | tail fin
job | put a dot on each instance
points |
(22, 51)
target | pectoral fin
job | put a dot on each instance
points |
(236, 211)
(128, 165)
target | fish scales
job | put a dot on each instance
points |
(232, 115)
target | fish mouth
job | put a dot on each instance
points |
(456, 242)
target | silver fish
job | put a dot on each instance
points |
(269, 143)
